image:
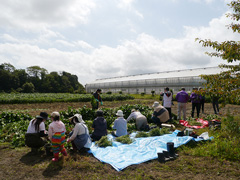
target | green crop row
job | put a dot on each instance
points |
(13, 126)
(23, 98)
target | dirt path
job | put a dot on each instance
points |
(35, 109)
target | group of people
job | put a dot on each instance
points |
(37, 135)
(80, 138)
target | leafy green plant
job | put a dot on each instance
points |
(103, 142)
(193, 122)
(124, 139)
(155, 132)
(142, 134)
(165, 130)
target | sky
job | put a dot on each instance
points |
(96, 39)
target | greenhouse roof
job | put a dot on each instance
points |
(160, 75)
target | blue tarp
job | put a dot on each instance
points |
(141, 150)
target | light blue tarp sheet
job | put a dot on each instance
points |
(141, 150)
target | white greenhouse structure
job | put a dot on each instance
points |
(145, 83)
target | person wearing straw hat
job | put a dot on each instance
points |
(120, 124)
(160, 114)
(36, 132)
(79, 137)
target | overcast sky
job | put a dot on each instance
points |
(106, 38)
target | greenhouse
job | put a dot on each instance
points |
(146, 83)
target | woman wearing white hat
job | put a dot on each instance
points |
(79, 137)
(120, 124)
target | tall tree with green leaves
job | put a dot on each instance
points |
(226, 84)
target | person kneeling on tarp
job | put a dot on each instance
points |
(79, 137)
(120, 124)
(36, 132)
(141, 120)
(160, 114)
(100, 126)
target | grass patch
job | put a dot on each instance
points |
(142, 134)
(226, 142)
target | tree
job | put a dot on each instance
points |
(28, 87)
(227, 83)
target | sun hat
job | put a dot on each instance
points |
(43, 115)
(119, 113)
(78, 116)
(155, 104)
(55, 114)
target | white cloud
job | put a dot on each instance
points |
(144, 54)
(35, 15)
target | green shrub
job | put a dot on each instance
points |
(103, 142)
(124, 139)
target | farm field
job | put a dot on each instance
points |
(18, 163)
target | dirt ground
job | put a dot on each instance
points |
(35, 109)
(19, 163)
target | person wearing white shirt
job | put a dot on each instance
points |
(79, 137)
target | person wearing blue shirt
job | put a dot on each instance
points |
(120, 124)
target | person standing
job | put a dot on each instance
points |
(120, 124)
(97, 99)
(56, 134)
(160, 114)
(141, 120)
(167, 101)
(215, 103)
(195, 99)
(202, 101)
(182, 98)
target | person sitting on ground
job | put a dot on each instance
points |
(99, 126)
(79, 137)
(160, 114)
(56, 134)
(120, 124)
(141, 120)
(36, 132)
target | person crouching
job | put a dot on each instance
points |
(79, 137)
(56, 134)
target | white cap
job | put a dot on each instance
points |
(119, 113)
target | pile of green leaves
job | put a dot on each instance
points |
(124, 139)
(142, 134)
(103, 142)
(155, 132)
(193, 122)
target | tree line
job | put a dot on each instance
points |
(37, 79)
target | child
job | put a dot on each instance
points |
(56, 134)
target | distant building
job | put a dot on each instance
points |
(145, 83)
